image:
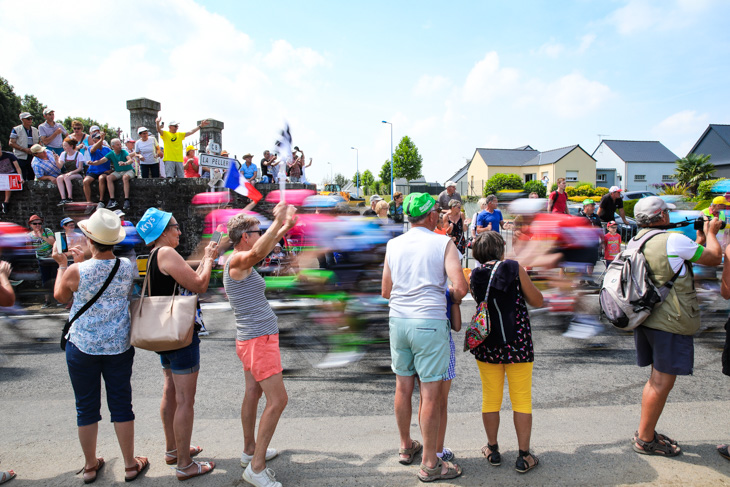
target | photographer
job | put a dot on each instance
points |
(716, 210)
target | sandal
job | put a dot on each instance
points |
(657, 446)
(432, 474)
(722, 450)
(201, 471)
(411, 452)
(141, 464)
(6, 475)
(662, 437)
(494, 458)
(171, 456)
(522, 465)
(95, 469)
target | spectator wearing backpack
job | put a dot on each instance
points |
(507, 349)
(664, 340)
(558, 200)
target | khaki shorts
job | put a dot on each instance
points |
(119, 174)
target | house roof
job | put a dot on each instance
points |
(460, 173)
(524, 157)
(640, 150)
(722, 130)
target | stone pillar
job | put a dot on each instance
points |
(142, 113)
(211, 133)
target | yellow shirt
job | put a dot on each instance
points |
(173, 145)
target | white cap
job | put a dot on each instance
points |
(450, 183)
(94, 128)
(375, 198)
(176, 124)
(651, 206)
(613, 189)
(142, 129)
(47, 111)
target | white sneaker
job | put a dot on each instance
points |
(265, 478)
(270, 454)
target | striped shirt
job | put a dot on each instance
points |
(254, 316)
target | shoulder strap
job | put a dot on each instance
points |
(555, 196)
(491, 276)
(90, 302)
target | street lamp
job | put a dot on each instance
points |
(391, 159)
(357, 170)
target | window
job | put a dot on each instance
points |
(600, 178)
(640, 177)
(667, 177)
(571, 176)
(530, 177)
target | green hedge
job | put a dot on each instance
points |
(629, 207)
(702, 204)
(536, 187)
(704, 190)
(499, 182)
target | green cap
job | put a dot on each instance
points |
(588, 201)
(418, 204)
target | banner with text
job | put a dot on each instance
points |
(11, 182)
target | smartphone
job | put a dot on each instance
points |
(61, 242)
(216, 237)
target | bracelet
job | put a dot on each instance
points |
(59, 267)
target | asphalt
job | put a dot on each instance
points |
(339, 430)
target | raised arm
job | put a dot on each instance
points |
(204, 123)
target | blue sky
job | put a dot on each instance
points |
(453, 77)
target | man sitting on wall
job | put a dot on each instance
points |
(123, 170)
(97, 169)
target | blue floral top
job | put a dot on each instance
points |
(104, 328)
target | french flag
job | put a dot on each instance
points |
(236, 182)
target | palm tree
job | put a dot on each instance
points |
(694, 169)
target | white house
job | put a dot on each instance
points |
(636, 165)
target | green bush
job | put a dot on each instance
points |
(704, 190)
(578, 184)
(600, 191)
(629, 207)
(702, 204)
(535, 187)
(584, 190)
(570, 191)
(499, 182)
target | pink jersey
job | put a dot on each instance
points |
(613, 245)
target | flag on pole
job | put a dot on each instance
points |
(236, 182)
(283, 148)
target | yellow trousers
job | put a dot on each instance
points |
(519, 380)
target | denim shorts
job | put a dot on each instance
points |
(668, 352)
(184, 360)
(420, 346)
(86, 372)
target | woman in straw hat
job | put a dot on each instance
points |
(98, 340)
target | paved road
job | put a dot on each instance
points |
(338, 429)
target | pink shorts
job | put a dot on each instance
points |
(261, 356)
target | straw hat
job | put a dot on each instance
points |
(103, 227)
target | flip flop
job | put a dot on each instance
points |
(171, 456)
(141, 465)
(411, 452)
(200, 465)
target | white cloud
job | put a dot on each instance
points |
(573, 96)
(639, 16)
(551, 49)
(487, 80)
(430, 85)
(682, 123)
(585, 42)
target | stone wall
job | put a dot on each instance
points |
(173, 195)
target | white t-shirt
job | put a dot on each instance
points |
(147, 149)
(681, 248)
(80, 157)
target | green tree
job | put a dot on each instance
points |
(31, 105)
(694, 169)
(10, 108)
(535, 186)
(407, 162)
(341, 180)
(111, 132)
(367, 179)
(498, 182)
(357, 178)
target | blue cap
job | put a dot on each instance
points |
(152, 224)
(66, 220)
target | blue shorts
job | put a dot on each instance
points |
(86, 372)
(668, 352)
(419, 346)
(185, 360)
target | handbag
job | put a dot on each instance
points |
(88, 304)
(479, 327)
(162, 323)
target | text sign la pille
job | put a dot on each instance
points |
(210, 160)
(11, 182)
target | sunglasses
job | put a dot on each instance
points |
(260, 232)
(36, 223)
(78, 128)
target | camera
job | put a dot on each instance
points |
(699, 223)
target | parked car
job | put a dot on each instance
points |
(636, 195)
(627, 229)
